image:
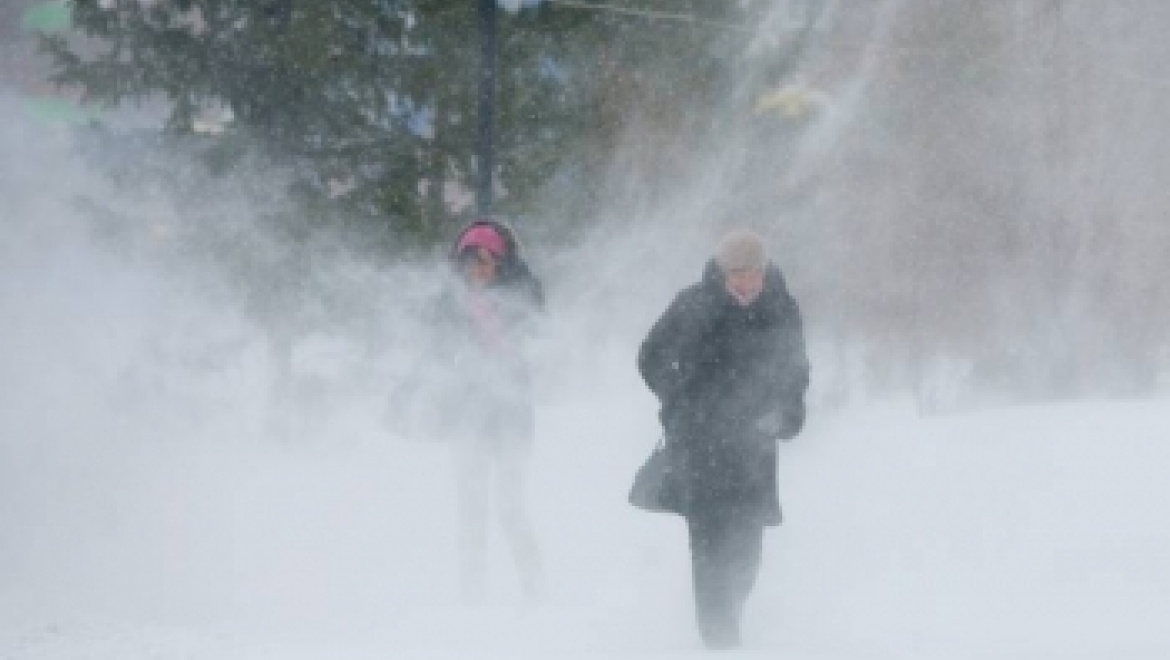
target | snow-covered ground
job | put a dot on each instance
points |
(156, 502)
(177, 521)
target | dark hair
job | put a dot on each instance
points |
(512, 271)
(468, 254)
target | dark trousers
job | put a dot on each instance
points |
(725, 560)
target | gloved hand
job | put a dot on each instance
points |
(781, 425)
(770, 424)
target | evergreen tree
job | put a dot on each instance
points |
(371, 104)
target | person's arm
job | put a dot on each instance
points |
(661, 357)
(794, 374)
(526, 305)
(781, 408)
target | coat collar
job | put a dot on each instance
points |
(767, 306)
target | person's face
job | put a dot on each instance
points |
(744, 284)
(481, 267)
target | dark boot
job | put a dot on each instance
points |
(725, 559)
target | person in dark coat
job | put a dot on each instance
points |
(486, 320)
(727, 363)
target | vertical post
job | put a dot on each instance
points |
(487, 106)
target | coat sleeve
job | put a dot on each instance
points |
(662, 357)
(794, 373)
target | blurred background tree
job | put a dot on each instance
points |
(371, 104)
(962, 192)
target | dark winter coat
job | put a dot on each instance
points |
(731, 381)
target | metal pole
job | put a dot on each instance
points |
(487, 105)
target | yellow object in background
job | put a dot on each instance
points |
(791, 101)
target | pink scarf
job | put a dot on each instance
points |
(485, 315)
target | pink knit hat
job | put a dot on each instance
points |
(484, 236)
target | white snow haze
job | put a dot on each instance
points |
(192, 466)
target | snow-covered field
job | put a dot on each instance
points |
(157, 503)
(134, 530)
